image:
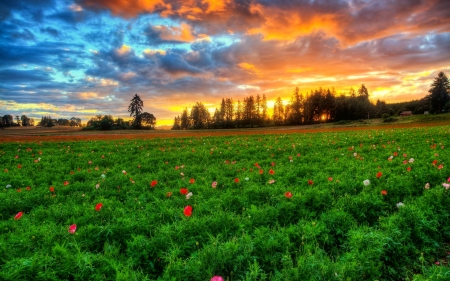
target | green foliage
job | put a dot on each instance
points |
(334, 227)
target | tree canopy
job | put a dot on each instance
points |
(439, 93)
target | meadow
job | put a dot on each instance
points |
(353, 205)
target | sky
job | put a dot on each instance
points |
(83, 58)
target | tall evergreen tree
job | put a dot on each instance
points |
(135, 109)
(439, 92)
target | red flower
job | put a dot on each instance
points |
(19, 190)
(52, 189)
(187, 211)
(236, 180)
(184, 191)
(98, 206)
(384, 192)
(310, 182)
(408, 169)
(379, 174)
(256, 165)
(72, 228)
(19, 166)
(66, 183)
(395, 153)
(330, 179)
(288, 194)
(434, 162)
(272, 172)
(18, 216)
(273, 164)
(261, 172)
(440, 166)
(28, 188)
(71, 172)
(191, 181)
(153, 183)
(168, 194)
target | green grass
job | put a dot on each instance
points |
(334, 229)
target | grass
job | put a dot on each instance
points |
(334, 227)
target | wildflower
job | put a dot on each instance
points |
(191, 181)
(437, 263)
(408, 169)
(187, 211)
(124, 172)
(8, 186)
(189, 195)
(298, 154)
(97, 186)
(184, 191)
(176, 167)
(427, 186)
(98, 206)
(89, 162)
(366, 182)
(288, 194)
(103, 176)
(246, 179)
(5, 170)
(103, 156)
(405, 155)
(216, 278)
(273, 164)
(256, 165)
(153, 183)
(214, 184)
(28, 188)
(271, 181)
(355, 154)
(272, 172)
(446, 185)
(400, 204)
(405, 162)
(379, 174)
(395, 153)
(310, 182)
(18, 216)
(411, 160)
(384, 192)
(330, 179)
(72, 228)
(17, 156)
(52, 189)
(434, 162)
(168, 194)
(66, 183)
(19, 190)
(448, 180)
(182, 174)
(236, 180)
(261, 172)
(19, 166)
(440, 166)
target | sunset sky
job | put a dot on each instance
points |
(84, 58)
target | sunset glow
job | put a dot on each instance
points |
(84, 58)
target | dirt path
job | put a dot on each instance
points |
(74, 134)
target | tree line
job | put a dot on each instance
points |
(46, 121)
(141, 120)
(321, 105)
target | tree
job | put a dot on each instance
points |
(176, 123)
(135, 109)
(77, 121)
(264, 109)
(363, 93)
(439, 92)
(7, 120)
(25, 120)
(184, 123)
(148, 119)
(200, 116)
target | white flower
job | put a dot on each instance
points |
(446, 185)
(355, 154)
(188, 195)
(97, 186)
(411, 160)
(391, 157)
(246, 179)
(103, 176)
(400, 204)
(124, 172)
(291, 160)
(8, 186)
(366, 182)
(427, 186)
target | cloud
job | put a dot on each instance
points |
(160, 34)
(23, 76)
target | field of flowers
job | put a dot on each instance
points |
(364, 205)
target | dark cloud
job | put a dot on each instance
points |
(23, 76)
(52, 31)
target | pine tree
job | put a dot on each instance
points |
(439, 92)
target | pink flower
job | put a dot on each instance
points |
(448, 180)
(216, 278)
(440, 166)
(18, 216)
(271, 181)
(214, 184)
(72, 228)
(330, 179)
(427, 186)
(405, 155)
(446, 185)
